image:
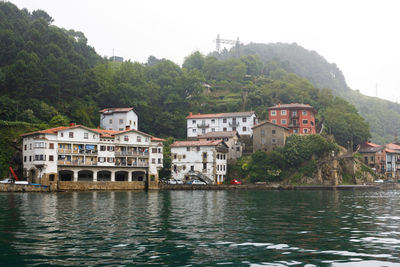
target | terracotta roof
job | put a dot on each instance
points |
(218, 134)
(392, 146)
(369, 143)
(196, 143)
(115, 110)
(391, 150)
(103, 133)
(292, 105)
(220, 115)
(268, 122)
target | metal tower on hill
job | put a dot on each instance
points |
(220, 41)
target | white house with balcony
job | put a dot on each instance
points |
(78, 153)
(241, 122)
(203, 160)
(118, 119)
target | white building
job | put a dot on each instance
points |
(78, 153)
(231, 139)
(242, 122)
(118, 119)
(204, 160)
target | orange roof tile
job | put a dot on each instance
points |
(196, 143)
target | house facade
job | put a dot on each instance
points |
(231, 139)
(118, 119)
(392, 152)
(374, 156)
(299, 118)
(200, 124)
(81, 154)
(203, 160)
(267, 136)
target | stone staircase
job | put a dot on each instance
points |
(198, 175)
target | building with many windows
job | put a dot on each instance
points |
(80, 154)
(200, 124)
(203, 160)
(118, 119)
(231, 139)
(299, 118)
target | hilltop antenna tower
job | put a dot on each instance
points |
(220, 41)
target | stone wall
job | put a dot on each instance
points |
(85, 186)
(24, 188)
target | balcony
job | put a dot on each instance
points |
(234, 124)
(76, 163)
(134, 164)
(77, 151)
(203, 125)
(131, 153)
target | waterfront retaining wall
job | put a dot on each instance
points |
(86, 186)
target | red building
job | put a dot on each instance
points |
(299, 118)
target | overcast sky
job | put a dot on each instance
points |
(361, 37)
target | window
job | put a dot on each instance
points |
(110, 160)
(102, 148)
(139, 139)
(110, 121)
(233, 128)
(237, 148)
(192, 168)
(188, 148)
(120, 129)
(244, 129)
(273, 140)
(224, 129)
(198, 148)
(273, 121)
(273, 112)
(25, 147)
(204, 155)
(159, 150)
(295, 131)
(175, 156)
(294, 113)
(51, 158)
(224, 120)
(110, 148)
(244, 119)
(130, 122)
(153, 161)
(193, 121)
(217, 156)
(305, 130)
(312, 123)
(62, 134)
(304, 112)
(40, 157)
(184, 156)
(212, 129)
(121, 121)
(102, 159)
(262, 141)
(159, 162)
(71, 134)
(283, 112)
(40, 145)
(51, 145)
(262, 132)
(193, 130)
(204, 166)
(212, 121)
(30, 158)
(24, 158)
(94, 136)
(305, 121)
(126, 138)
(85, 136)
(372, 158)
(154, 150)
(203, 131)
(273, 131)
(283, 121)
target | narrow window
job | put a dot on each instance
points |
(71, 134)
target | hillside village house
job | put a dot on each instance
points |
(242, 122)
(299, 118)
(118, 119)
(203, 160)
(80, 154)
(392, 152)
(231, 139)
(373, 155)
(267, 136)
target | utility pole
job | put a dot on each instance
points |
(220, 41)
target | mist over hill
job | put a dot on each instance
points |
(383, 116)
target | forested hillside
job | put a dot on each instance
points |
(383, 116)
(50, 76)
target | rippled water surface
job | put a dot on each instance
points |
(197, 228)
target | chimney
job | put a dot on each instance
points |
(190, 113)
(127, 127)
(72, 124)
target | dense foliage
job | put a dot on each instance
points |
(50, 76)
(383, 116)
(299, 154)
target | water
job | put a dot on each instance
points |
(201, 228)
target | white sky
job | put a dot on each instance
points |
(361, 36)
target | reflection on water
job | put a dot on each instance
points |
(248, 228)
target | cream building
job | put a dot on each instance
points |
(118, 119)
(203, 160)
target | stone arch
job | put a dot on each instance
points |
(85, 175)
(104, 176)
(121, 176)
(33, 174)
(66, 175)
(139, 176)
